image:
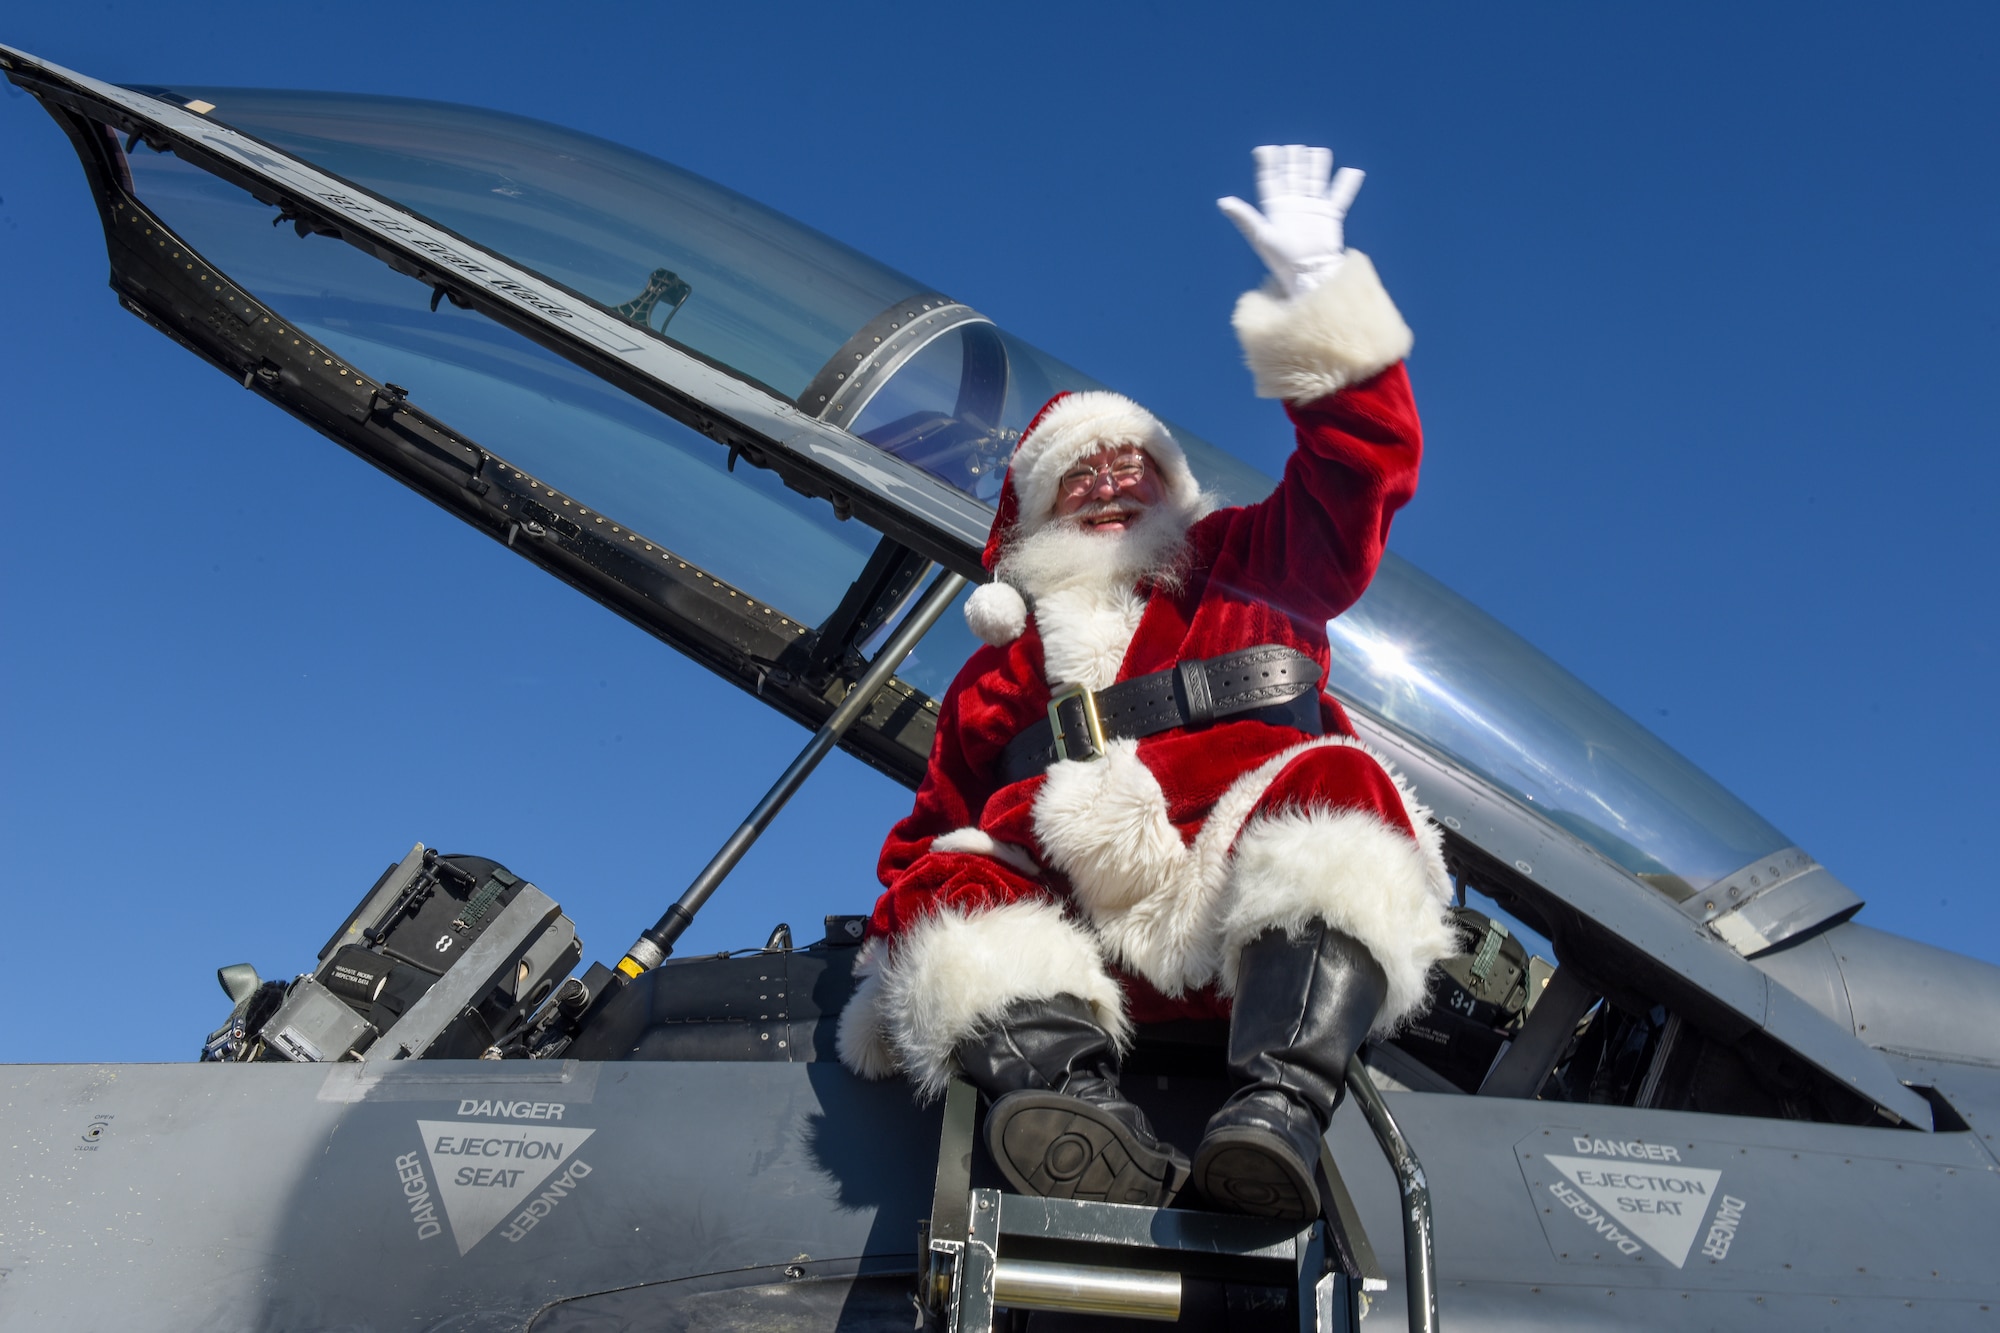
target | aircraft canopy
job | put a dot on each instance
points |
(852, 343)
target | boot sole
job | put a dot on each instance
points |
(1250, 1171)
(1062, 1148)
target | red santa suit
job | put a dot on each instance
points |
(1133, 880)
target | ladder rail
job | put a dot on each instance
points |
(1419, 1260)
(942, 1238)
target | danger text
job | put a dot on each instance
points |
(1631, 1149)
(544, 1203)
(417, 1193)
(1722, 1231)
(1588, 1212)
(513, 1110)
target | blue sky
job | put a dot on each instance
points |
(1705, 301)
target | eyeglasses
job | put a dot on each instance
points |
(1125, 471)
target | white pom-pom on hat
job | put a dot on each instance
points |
(996, 613)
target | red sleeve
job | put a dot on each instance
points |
(952, 793)
(1312, 545)
(980, 713)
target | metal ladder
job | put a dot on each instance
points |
(984, 1250)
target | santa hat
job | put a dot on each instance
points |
(1069, 428)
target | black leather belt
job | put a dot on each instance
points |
(1268, 683)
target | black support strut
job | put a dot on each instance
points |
(653, 946)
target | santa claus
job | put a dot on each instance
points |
(1139, 805)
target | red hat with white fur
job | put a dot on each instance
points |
(1070, 427)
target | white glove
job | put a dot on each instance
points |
(1298, 235)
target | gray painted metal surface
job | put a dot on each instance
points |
(1915, 998)
(230, 1197)
(1774, 899)
(1971, 1090)
(428, 1195)
(1808, 969)
(1781, 1224)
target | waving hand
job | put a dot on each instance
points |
(1298, 233)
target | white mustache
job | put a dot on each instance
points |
(1106, 509)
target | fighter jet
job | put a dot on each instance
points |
(1671, 1082)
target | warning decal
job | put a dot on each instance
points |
(1660, 1203)
(482, 1171)
(1605, 1199)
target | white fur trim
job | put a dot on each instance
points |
(1085, 631)
(1342, 332)
(1353, 871)
(1157, 904)
(859, 1039)
(952, 973)
(1103, 823)
(1085, 587)
(1079, 426)
(981, 843)
(997, 614)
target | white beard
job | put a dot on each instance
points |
(1060, 555)
(1085, 588)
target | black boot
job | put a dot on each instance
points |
(1302, 1008)
(1058, 1127)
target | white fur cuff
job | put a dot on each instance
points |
(859, 1039)
(1356, 873)
(1342, 332)
(978, 842)
(955, 972)
(1103, 823)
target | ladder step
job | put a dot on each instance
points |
(1032, 1284)
(984, 1250)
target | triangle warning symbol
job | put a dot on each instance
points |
(482, 1171)
(1661, 1203)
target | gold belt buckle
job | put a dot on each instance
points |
(1091, 721)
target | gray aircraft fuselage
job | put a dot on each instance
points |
(476, 1195)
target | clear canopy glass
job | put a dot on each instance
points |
(539, 412)
(775, 302)
(693, 262)
(764, 296)
(1423, 659)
